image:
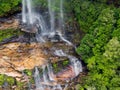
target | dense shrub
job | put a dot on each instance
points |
(86, 12)
(8, 33)
(7, 6)
(100, 47)
(99, 34)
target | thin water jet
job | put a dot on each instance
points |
(51, 4)
(37, 80)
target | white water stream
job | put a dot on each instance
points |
(37, 80)
(32, 18)
(76, 64)
(27, 13)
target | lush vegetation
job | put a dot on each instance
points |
(8, 6)
(100, 47)
(4, 34)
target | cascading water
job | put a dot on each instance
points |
(36, 22)
(33, 19)
(61, 19)
(52, 15)
(37, 80)
(65, 40)
(50, 72)
(45, 78)
(27, 13)
(76, 64)
(47, 81)
(24, 19)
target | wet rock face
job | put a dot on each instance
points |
(16, 57)
(29, 28)
(7, 24)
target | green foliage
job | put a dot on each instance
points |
(104, 68)
(100, 1)
(102, 30)
(65, 63)
(58, 66)
(40, 3)
(55, 67)
(8, 33)
(99, 34)
(7, 6)
(1, 80)
(100, 49)
(20, 85)
(28, 72)
(116, 32)
(9, 80)
(112, 52)
(86, 45)
(86, 12)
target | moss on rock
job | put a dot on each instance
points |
(7, 33)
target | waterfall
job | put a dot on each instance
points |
(61, 19)
(30, 11)
(52, 15)
(24, 19)
(51, 5)
(27, 12)
(33, 19)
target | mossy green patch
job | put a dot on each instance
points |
(20, 85)
(58, 66)
(1, 80)
(28, 72)
(9, 80)
(8, 33)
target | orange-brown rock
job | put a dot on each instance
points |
(13, 24)
(16, 57)
(65, 74)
